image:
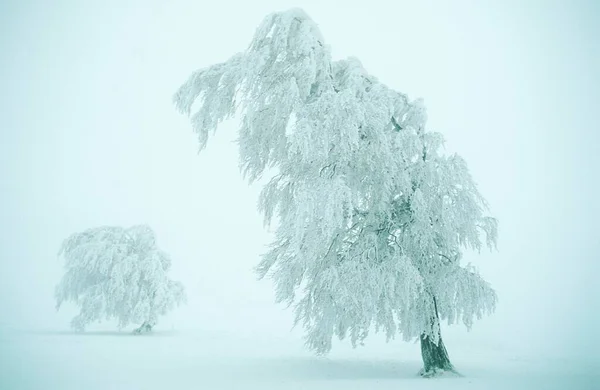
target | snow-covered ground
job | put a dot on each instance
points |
(175, 360)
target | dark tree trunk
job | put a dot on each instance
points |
(435, 357)
(144, 328)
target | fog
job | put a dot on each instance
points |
(90, 137)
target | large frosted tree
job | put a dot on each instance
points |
(371, 218)
(117, 273)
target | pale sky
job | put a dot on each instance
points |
(90, 137)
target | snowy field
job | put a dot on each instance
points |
(195, 360)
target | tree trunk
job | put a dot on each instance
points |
(435, 357)
(145, 327)
(151, 320)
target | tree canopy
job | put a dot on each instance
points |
(117, 273)
(371, 216)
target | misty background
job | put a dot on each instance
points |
(89, 137)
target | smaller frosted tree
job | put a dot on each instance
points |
(117, 273)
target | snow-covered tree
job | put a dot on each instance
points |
(371, 217)
(117, 273)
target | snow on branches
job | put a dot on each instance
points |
(117, 273)
(371, 217)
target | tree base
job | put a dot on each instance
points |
(435, 358)
(146, 327)
(437, 372)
